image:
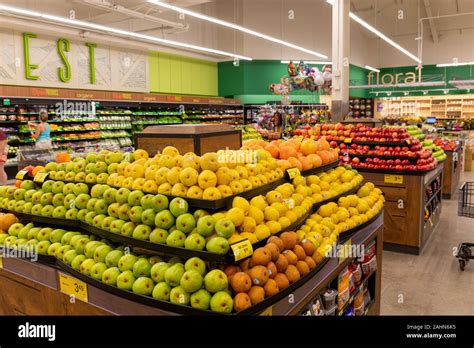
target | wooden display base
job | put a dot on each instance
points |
(405, 229)
(452, 172)
(30, 288)
(197, 138)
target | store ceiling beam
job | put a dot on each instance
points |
(434, 33)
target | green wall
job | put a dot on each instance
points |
(175, 74)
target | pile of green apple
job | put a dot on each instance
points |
(133, 214)
(188, 283)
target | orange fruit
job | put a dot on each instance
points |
(261, 256)
(242, 301)
(281, 263)
(259, 275)
(292, 274)
(274, 250)
(279, 243)
(241, 282)
(282, 281)
(271, 288)
(256, 294)
(302, 267)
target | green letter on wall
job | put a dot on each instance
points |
(26, 55)
(64, 73)
(91, 46)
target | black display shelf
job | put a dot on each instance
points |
(17, 253)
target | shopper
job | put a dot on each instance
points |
(3, 157)
(42, 132)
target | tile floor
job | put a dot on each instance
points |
(432, 283)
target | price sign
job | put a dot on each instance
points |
(267, 312)
(40, 177)
(393, 179)
(345, 251)
(72, 286)
(242, 249)
(348, 140)
(21, 174)
(293, 173)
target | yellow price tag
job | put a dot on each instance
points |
(348, 140)
(267, 312)
(1, 262)
(293, 173)
(40, 177)
(393, 179)
(73, 287)
(21, 174)
(242, 249)
(345, 251)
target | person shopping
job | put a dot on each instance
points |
(42, 133)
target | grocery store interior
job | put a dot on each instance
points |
(236, 157)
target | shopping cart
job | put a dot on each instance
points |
(465, 208)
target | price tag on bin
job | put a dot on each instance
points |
(242, 249)
(40, 177)
(73, 287)
(293, 173)
(21, 174)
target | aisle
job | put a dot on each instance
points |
(432, 283)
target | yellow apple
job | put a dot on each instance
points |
(165, 189)
(170, 151)
(190, 161)
(150, 172)
(208, 161)
(274, 226)
(284, 222)
(243, 172)
(140, 154)
(218, 216)
(225, 190)
(137, 171)
(250, 236)
(194, 192)
(138, 184)
(234, 175)
(223, 176)
(173, 175)
(121, 168)
(274, 197)
(262, 232)
(263, 179)
(150, 186)
(179, 190)
(246, 185)
(235, 238)
(236, 187)
(127, 182)
(212, 194)
(188, 176)
(207, 179)
(236, 215)
(119, 181)
(248, 225)
(161, 175)
(271, 214)
(255, 181)
(252, 169)
(256, 214)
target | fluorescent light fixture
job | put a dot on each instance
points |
(406, 93)
(454, 64)
(380, 34)
(308, 62)
(103, 28)
(425, 92)
(234, 26)
(370, 68)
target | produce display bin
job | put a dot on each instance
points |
(452, 172)
(197, 138)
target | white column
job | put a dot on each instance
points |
(340, 59)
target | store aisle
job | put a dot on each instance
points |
(432, 283)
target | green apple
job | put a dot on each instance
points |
(62, 250)
(173, 274)
(90, 178)
(155, 259)
(158, 235)
(90, 247)
(71, 214)
(142, 232)
(160, 202)
(29, 195)
(218, 245)
(141, 268)
(81, 215)
(36, 209)
(80, 177)
(185, 223)
(19, 206)
(178, 206)
(86, 266)
(66, 238)
(20, 242)
(100, 253)
(224, 228)
(27, 185)
(123, 212)
(89, 218)
(176, 239)
(97, 270)
(91, 204)
(143, 286)
(68, 188)
(191, 281)
(179, 296)
(23, 233)
(81, 188)
(107, 222)
(100, 207)
(69, 167)
(200, 213)
(121, 196)
(147, 201)
(116, 226)
(10, 240)
(205, 225)
(43, 247)
(70, 176)
(196, 264)
(47, 210)
(59, 212)
(75, 239)
(3, 236)
(102, 178)
(135, 214)
(126, 262)
(46, 198)
(33, 232)
(100, 167)
(77, 261)
(113, 257)
(128, 228)
(148, 217)
(161, 291)
(201, 299)
(69, 200)
(97, 221)
(174, 260)
(11, 205)
(15, 229)
(110, 276)
(109, 195)
(81, 245)
(81, 200)
(113, 210)
(57, 187)
(215, 281)
(222, 302)
(69, 256)
(91, 157)
(158, 270)
(44, 234)
(90, 168)
(195, 242)
(125, 280)
(164, 219)
(60, 175)
(135, 197)
(36, 198)
(113, 157)
(47, 186)
(56, 235)
(80, 166)
(95, 191)
(19, 194)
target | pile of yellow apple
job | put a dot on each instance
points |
(265, 215)
(331, 219)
